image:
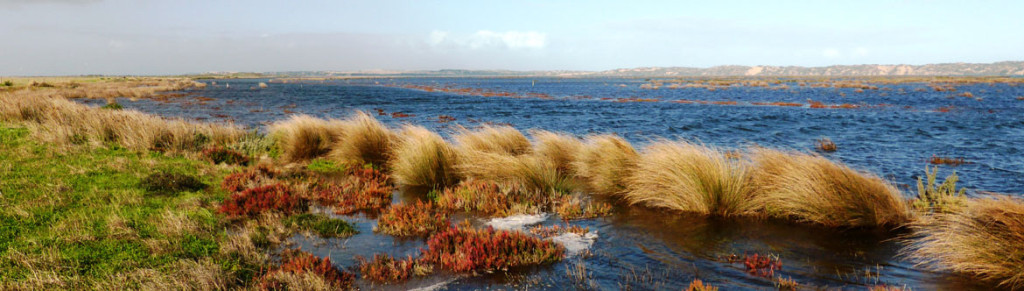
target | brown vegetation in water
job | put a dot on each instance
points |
(423, 158)
(361, 139)
(825, 144)
(982, 240)
(415, 219)
(466, 249)
(937, 160)
(812, 189)
(604, 162)
(303, 137)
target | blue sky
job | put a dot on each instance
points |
(60, 37)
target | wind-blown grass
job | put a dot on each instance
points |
(362, 140)
(557, 148)
(813, 189)
(493, 139)
(983, 240)
(423, 158)
(604, 163)
(687, 177)
(303, 137)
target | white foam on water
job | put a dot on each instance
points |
(517, 221)
(574, 243)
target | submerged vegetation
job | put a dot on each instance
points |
(118, 199)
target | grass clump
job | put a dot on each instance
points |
(490, 199)
(531, 172)
(422, 158)
(171, 182)
(812, 189)
(417, 219)
(557, 148)
(222, 155)
(604, 162)
(303, 137)
(304, 271)
(386, 269)
(493, 139)
(362, 140)
(944, 198)
(321, 225)
(466, 249)
(253, 201)
(687, 177)
(983, 240)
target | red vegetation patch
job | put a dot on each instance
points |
(219, 155)
(758, 265)
(400, 115)
(445, 118)
(945, 109)
(253, 201)
(488, 198)
(417, 219)
(461, 249)
(252, 178)
(782, 104)
(362, 190)
(298, 262)
(937, 160)
(383, 268)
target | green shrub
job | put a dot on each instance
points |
(166, 182)
(325, 166)
(113, 106)
(321, 225)
(944, 198)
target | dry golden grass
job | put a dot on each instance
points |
(528, 171)
(362, 140)
(813, 189)
(493, 139)
(604, 162)
(687, 177)
(303, 137)
(60, 121)
(558, 148)
(984, 240)
(423, 158)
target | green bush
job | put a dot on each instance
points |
(322, 225)
(113, 106)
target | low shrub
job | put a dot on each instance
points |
(300, 263)
(386, 269)
(466, 249)
(362, 190)
(944, 198)
(169, 182)
(324, 166)
(259, 176)
(224, 155)
(321, 225)
(276, 197)
(417, 219)
(572, 207)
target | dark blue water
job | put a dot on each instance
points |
(893, 141)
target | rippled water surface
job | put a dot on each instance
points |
(893, 134)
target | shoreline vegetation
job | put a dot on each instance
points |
(129, 200)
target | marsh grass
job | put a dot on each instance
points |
(604, 162)
(813, 189)
(423, 158)
(303, 137)
(493, 139)
(687, 177)
(982, 240)
(558, 148)
(362, 140)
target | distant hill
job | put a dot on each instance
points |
(1015, 68)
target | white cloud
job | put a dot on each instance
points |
(486, 39)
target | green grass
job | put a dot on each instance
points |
(81, 215)
(325, 166)
(321, 225)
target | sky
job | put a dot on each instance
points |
(74, 37)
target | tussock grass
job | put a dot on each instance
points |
(982, 240)
(529, 171)
(687, 177)
(493, 139)
(604, 162)
(60, 121)
(362, 140)
(558, 148)
(423, 158)
(303, 137)
(813, 189)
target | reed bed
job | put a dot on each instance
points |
(813, 189)
(604, 162)
(362, 140)
(688, 177)
(303, 137)
(983, 240)
(423, 158)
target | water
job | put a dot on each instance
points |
(893, 141)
